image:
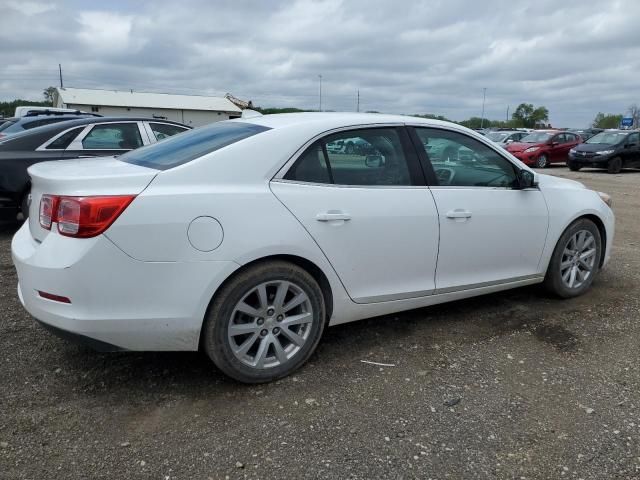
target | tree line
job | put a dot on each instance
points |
(526, 115)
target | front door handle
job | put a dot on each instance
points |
(332, 215)
(458, 213)
(86, 156)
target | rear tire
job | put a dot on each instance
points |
(250, 333)
(575, 260)
(615, 165)
(24, 205)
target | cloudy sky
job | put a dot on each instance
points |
(574, 57)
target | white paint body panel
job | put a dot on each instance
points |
(143, 286)
(388, 248)
(502, 239)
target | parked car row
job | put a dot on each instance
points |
(83, 137)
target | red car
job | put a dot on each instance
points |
(543, 147)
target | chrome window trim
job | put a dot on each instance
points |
(337, 185)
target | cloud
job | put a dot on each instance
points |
(406, 57)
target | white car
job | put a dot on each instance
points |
(247, 237)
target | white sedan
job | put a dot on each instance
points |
(245, 238)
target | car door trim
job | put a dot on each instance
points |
(493, 283)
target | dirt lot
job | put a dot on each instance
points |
(511, 385)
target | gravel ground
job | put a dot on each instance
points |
(510, 385)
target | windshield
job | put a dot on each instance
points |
(537, 137)
(497, 136)
(188, 146)
(608, 138)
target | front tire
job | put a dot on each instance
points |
(575, 260)
(615, 165)
(573, 167)
(265, 323)
(542, 161)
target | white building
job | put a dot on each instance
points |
(193, 110)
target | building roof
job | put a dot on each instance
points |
(117, 98)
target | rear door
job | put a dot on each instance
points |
(368, 210)
(490, 232)
(106, 139)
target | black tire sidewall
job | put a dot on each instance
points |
(615, 165)
(553, 279)
(216, 323)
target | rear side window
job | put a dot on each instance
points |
(367, 157)
(190, 145)
(165, 130)
(7, 124)
(64, 140)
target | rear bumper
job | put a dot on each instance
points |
(116, 301)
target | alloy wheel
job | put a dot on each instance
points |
(270, 324)
(541, 162)
(578, 259)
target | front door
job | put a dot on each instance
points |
(490, 232)
(369, 211)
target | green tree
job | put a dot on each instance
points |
(7, 109)
(528, 116)
(607, 120)
(48, 93)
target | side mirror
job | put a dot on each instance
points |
(374, 161)
(526, 179)
(554, 144)
(510, 140)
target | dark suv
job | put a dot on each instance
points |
(611, 149)
(13, 125)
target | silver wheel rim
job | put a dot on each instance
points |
(270, 324)
(542, 161)
(578, 259)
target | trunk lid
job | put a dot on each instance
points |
(83, 177)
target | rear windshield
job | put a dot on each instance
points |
(188, 146)
(6, 124)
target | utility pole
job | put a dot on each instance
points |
(507, 113)
(358, 103)
(484, 95)
(320, 103)
(60, 70)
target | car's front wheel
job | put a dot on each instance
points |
(575, 260)
(542, 161)
(265, 323)
(615, 165)
(573, 167)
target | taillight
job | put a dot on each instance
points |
(82, 217)
(47, 210)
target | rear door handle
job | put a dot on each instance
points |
(458, 213)
(329, 216)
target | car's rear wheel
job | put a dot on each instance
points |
(575, 260)
(265, 323)
(573, 167)
(615, 165)
(24, 205)
(542, 161)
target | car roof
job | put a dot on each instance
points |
(323, 121)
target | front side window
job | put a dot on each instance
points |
(461, 161)
(633, 139)
(536, 137)
(372, 157)
(114, 136)
(165, 130)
